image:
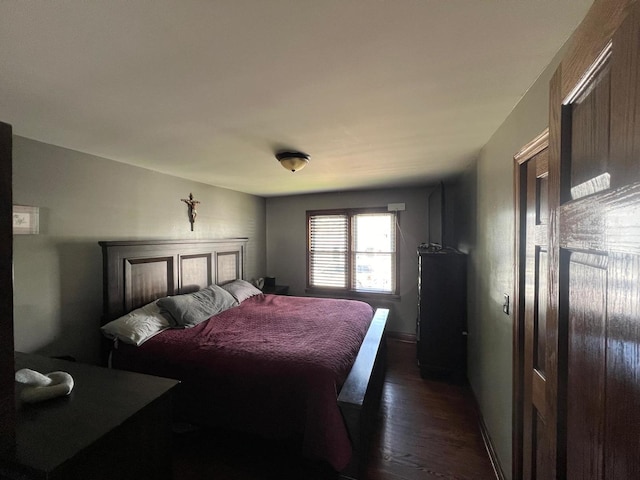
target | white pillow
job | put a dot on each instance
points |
(137, 326)
(241, 289)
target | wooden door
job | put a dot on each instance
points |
(594, 315)
(7, 405)
(530, 352)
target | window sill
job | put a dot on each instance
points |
(350, 294)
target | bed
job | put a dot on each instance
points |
(233, 368)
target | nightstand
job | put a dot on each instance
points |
(114, 424)
(276, 290)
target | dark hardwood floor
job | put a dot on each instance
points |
(426, 430)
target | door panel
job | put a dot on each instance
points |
(586, 363)
(622, 424)
(590, 134)
(594, 301)
(540, 328)
(541, 460)
(625, 102)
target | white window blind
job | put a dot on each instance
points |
(328, 245)
(352, 250)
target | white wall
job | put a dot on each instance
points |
(84, 199)
(287, 231)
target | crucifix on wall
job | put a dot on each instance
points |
(192, 212)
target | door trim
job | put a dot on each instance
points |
(526, 153)
(7, 370)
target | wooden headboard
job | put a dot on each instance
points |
(140, 271)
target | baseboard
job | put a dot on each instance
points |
(403, 337)
(486, 439)
(493, 457)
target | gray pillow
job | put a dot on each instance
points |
(191, 309)
(241, 290)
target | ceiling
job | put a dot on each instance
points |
(379, 92)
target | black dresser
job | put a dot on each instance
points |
(442, 314)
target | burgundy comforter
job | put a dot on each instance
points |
(271, 366)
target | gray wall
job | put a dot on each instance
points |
(84, 199)
(286, 241)
(487, 233)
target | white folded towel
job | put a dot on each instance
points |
(39, 387)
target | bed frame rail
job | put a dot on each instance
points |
(359, 398)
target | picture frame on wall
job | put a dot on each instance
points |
(26, 220)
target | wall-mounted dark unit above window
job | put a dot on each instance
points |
(436, 216)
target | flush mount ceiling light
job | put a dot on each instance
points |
(293, 161)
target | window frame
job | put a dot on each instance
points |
(348, 291)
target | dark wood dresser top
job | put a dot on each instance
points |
(53, 432)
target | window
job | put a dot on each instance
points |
(352, 250)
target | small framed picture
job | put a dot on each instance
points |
(26, 220)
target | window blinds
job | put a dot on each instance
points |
(328, 250)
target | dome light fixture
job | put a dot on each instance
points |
(293, 161)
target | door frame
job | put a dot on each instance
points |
(526, 153)
(7, 370)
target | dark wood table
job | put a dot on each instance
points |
(114, 424)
